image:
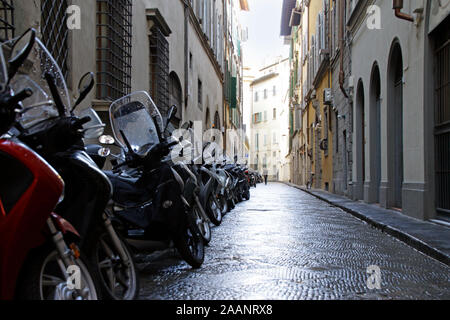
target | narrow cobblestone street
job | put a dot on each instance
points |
(286, 244)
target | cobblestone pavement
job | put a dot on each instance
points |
(284, 244)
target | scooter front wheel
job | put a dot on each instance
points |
(43, 278)
(191, 247)
(202, 225)
(119, 280)
(213, 210)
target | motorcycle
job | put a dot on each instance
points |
(35, 261)
(51, 128)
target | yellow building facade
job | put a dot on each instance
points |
(312, 143)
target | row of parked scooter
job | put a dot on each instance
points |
(67, 223)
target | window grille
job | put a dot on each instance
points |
(6, 20)
(442, 118)
(159, 69)
(114, 30)
(55, 31)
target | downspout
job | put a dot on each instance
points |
(341, 47)
(186, 53)
(398, 6)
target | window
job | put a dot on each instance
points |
(256, 97)
(55, 31)
(6, 20)
(114, 28)
(265, 140)
(265, 115)
(191, 62)
(274, 91)
(265, 93)
(275, 140)
(200, 94)
(159, 69)
(257, 142)
(257, 117)
(275, 114)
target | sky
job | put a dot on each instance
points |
(263, 22)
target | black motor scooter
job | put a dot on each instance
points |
(148, 198)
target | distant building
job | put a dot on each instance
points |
(270, 120)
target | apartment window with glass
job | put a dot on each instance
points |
(257, 117)
(114, 31)
(265, 94)
(274, 91)
(6, 20)
(274, 114)
(55, 32)
(256, 97)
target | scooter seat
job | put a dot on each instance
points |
(126, 192)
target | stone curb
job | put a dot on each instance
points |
(394, 232)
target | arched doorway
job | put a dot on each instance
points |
(375, 136)
(360, 142)
(395, 126)
(176, 97)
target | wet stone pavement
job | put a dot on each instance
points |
(284, 244)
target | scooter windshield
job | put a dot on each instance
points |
(3, 71)
(134, 119)
(39, 63)
(38, 107)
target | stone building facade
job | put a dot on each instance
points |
(270, 119)
(174, 49)
(389, 110)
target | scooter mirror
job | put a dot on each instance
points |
(107, 140)
(20, 51)
(84, 87)
(170, 116)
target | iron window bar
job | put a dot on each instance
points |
(114, 36)
(6, 20)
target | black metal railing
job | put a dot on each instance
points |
(6, 20)
(55, 32)
(114, 32)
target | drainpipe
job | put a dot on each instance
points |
(186, 53)
(341, 47)
(398, 6)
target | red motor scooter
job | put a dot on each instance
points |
(35, 261)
